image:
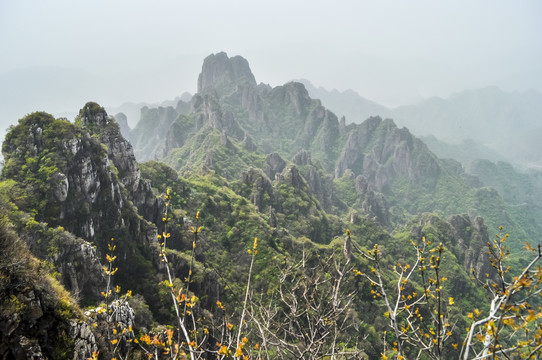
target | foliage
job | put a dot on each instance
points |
(32, 302)
(421, 315)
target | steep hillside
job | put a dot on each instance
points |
(82, 178)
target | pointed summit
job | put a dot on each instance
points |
(93, 114)
(222, 74)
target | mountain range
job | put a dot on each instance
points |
(242, 160)
(507, 123)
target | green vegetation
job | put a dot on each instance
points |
(185, 236)
(27, 293)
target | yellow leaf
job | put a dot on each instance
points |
(531, 316)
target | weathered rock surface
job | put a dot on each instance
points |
(464, 237)
(472, 237)
(380, 151)
(259, 188)
(221, 74)
(275, 165)
(85, 341)
(373, 203)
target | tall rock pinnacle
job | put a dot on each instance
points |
(222, 74)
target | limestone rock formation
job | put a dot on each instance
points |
(261, 189)
(381, 151)
(125, 130)
(220, 73)
(275, 165)
(472, 236)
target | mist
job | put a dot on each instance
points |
(57, 55)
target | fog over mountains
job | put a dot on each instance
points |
(484, 123)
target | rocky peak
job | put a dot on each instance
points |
(292, 95)
(291, 176)
(275, 165)
(222, 74)
(303, 157)
(471, 236)
(380, 151)
(121, 153)
(122, 120)
(259, 185)
(93, 115)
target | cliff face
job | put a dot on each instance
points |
(120, 152)
(381, 151)
(466, 239)
(83, 178)
(222, 74)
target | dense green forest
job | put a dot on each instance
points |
(256, 224)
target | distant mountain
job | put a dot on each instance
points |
(485, 123)
(499, 120)
(133, 111)
(374, 167)
(346, 103)
(465, 151)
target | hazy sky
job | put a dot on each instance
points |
(55, 55)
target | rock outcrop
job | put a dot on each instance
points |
(121, 153)
(90, 184)
(275, 165)
(380, 151)
(372, 203)
(472, 237)
(259, 189)
(222, 74)
(464, 237)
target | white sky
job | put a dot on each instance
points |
(392, 52)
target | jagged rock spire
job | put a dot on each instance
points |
(222, 74)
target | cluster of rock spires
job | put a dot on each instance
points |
(285, 120)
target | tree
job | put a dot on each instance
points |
(419, 313)
(513, 326)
